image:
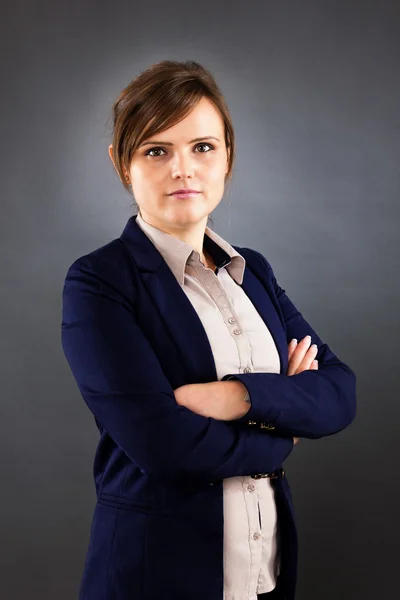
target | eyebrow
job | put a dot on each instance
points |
(199, 139)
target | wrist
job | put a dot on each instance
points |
(237, 395)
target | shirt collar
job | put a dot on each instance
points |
(178, 253)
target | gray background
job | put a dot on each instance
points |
(313, 88)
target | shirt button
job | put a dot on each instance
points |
(246, 370)
(251, 487)
(256, 536)
(237, 331)
(231, 320)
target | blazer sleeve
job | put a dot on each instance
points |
(121, 380)
(311, 404)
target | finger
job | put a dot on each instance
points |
(291, 347)
(314, 365)
(298, 354)
(308, 359)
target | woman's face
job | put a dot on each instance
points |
(170, 160)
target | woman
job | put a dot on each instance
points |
(185, 350)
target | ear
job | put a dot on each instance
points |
(227, 164)
(110, 153)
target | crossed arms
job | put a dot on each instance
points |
(122, 382)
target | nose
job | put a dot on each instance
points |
(182, 166)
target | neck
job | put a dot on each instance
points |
(192, 234)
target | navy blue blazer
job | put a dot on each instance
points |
(131, 336)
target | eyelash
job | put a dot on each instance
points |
(160, 148)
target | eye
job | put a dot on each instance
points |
(205, 144)
(159, 148)
(151, 150)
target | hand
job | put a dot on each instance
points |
(222, 400)
(194, 396)
(301, 358)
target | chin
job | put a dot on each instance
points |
(189, 213)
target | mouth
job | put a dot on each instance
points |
(185, 194)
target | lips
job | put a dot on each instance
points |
(186, 194)
(184, 191)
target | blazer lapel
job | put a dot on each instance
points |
(180, 318)
(183, 323)
(259, 290)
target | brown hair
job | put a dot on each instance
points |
(157, 99)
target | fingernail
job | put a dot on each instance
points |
(294, 340)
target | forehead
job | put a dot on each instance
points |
(203, 120)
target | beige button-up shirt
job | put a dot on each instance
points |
(242, 343)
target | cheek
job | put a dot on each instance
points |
(216, 171)
(143, 178)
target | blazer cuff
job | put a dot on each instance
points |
(259, 414)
